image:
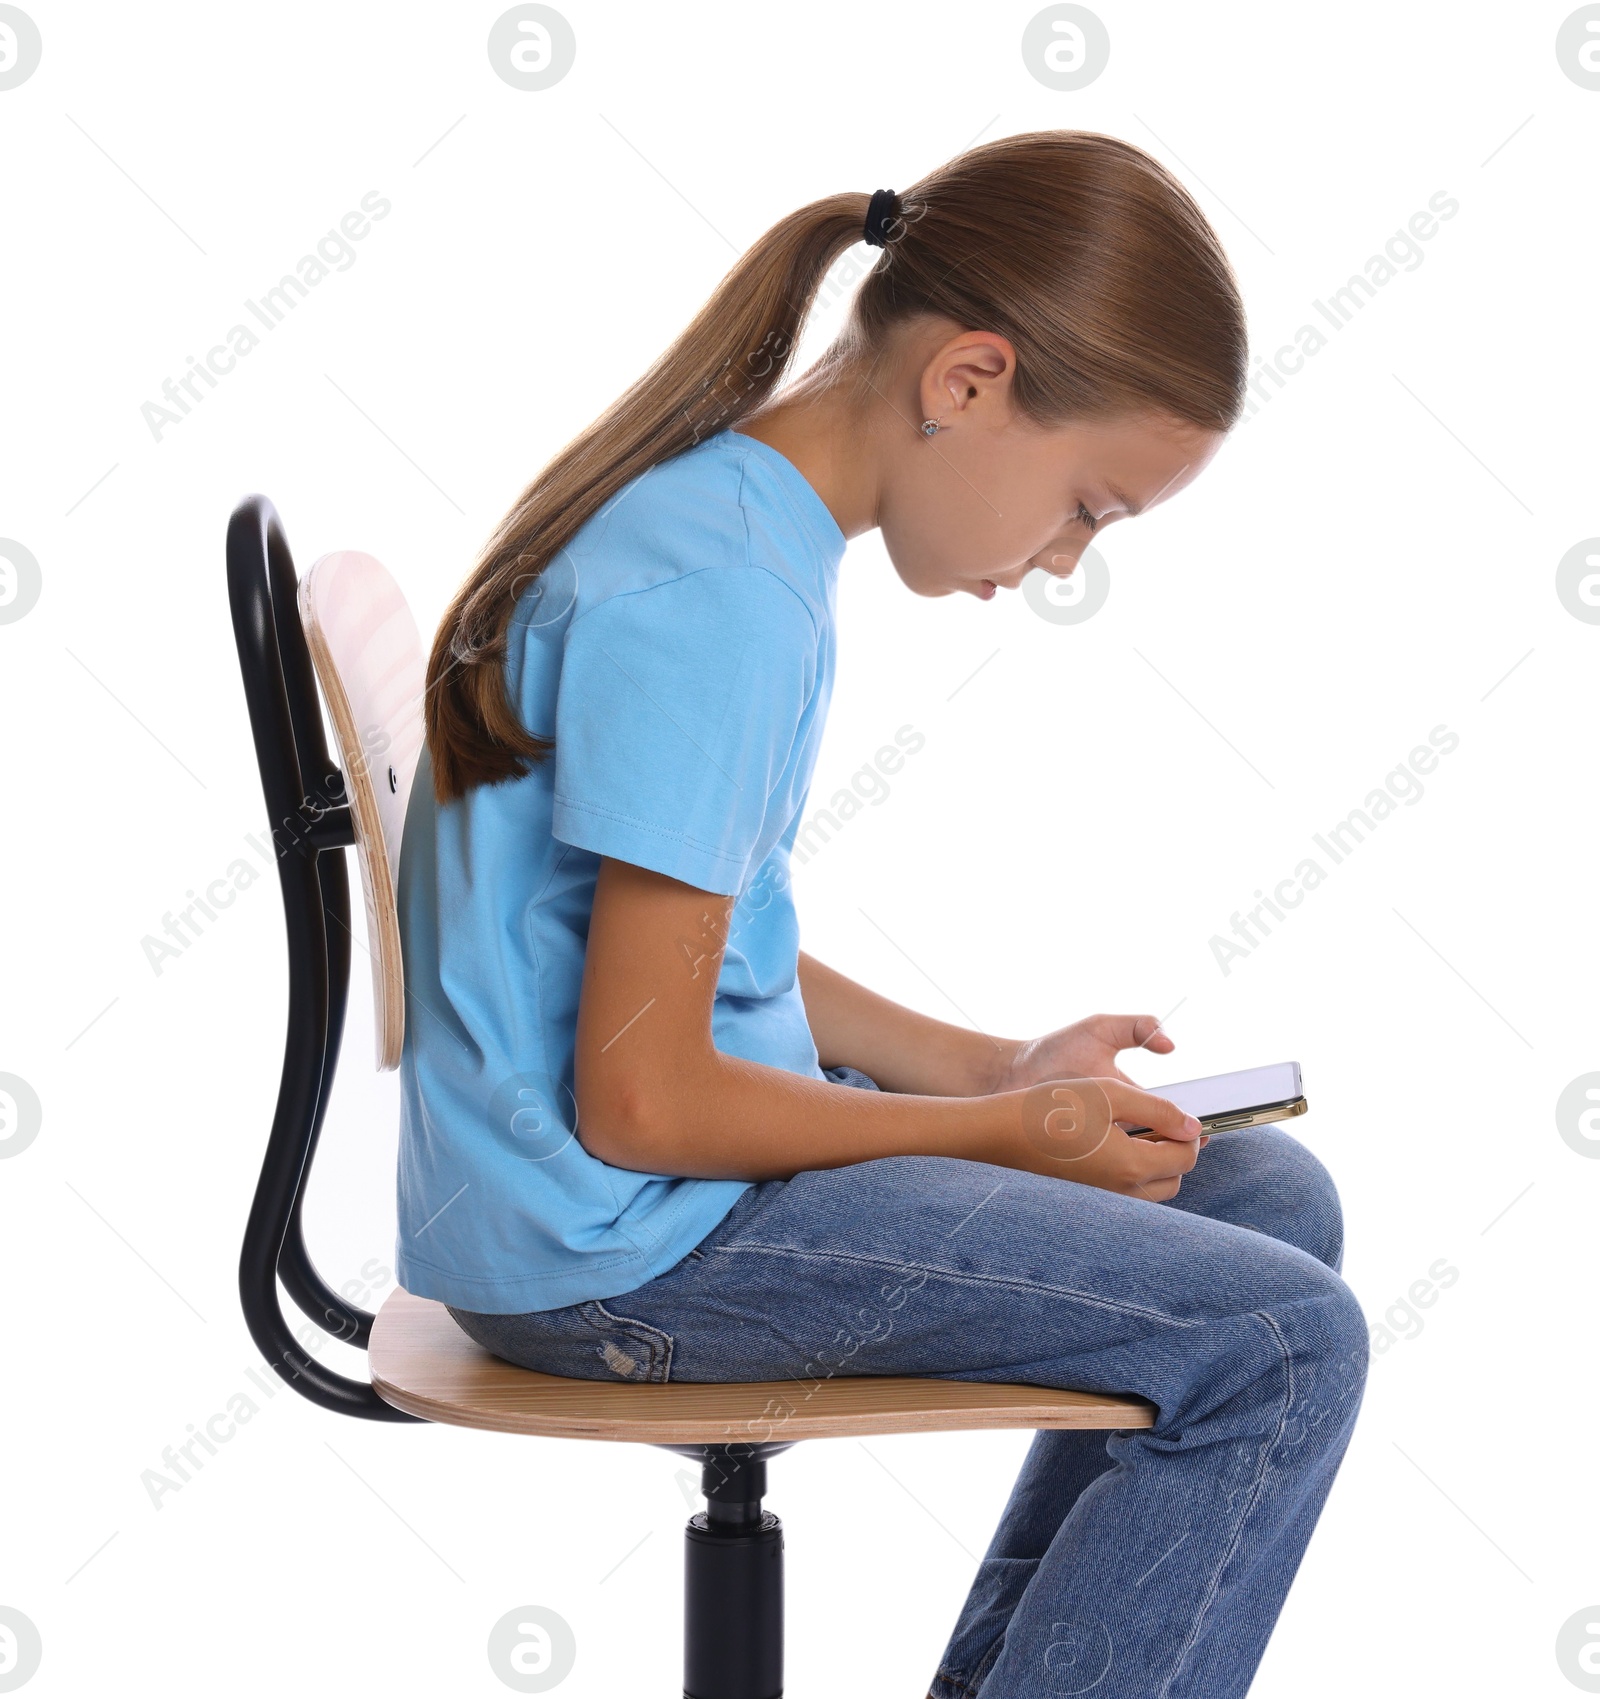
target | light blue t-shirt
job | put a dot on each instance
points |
(680, 653)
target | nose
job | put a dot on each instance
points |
(1058, 562)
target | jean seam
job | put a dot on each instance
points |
(1016, 1284)
(1246, 1508)
(658, 1343)
(955, 1681)
(972, 1681)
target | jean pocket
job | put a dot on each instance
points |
(630, 1349)
(580, 1342)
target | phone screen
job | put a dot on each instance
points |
(1225, 1094)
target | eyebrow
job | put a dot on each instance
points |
(1133, 509)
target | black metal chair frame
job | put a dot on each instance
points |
(733, 1573)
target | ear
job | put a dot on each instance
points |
(973, 368)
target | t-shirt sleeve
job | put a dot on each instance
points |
(677, 711)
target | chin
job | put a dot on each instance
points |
(920, 587)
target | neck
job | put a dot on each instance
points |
(819, 429)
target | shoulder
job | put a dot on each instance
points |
(706, 531)
(687, 504)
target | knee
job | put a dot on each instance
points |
(1291, 1196)
(1314, 1370)
(1289, 1366)
(1331, 1343)
(1336, 1329)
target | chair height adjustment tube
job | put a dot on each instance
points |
(733, 1583)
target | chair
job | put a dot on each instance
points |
(347, 628)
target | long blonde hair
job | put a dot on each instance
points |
(1080, 249)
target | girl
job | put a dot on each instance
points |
(646, 1137)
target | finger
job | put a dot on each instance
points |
(1136, 1032)
(1164, 1159)
(1155, 1191)
(1143, 1109)
(1160, 1191)
(1148, 1137)
(1156, 1039)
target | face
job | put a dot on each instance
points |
(993, 495)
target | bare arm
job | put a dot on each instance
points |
(655, 1094)
(905, 1051)
(900, 1049)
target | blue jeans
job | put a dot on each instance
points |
(1140, 1564)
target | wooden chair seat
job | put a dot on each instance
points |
(424, 1364)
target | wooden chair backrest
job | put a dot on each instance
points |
(369, 661)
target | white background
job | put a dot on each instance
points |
(1368, 558)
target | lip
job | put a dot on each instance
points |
(988, 589)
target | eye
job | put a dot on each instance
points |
(1087, 518)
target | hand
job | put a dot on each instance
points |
(1069, 1130)
(1085, 1050)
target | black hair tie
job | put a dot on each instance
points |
(883, 212)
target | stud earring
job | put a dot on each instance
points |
(930, 427)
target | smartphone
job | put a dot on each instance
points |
(1223, 1103)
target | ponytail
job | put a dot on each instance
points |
(723, 367)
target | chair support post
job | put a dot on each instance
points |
(733, 1582)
